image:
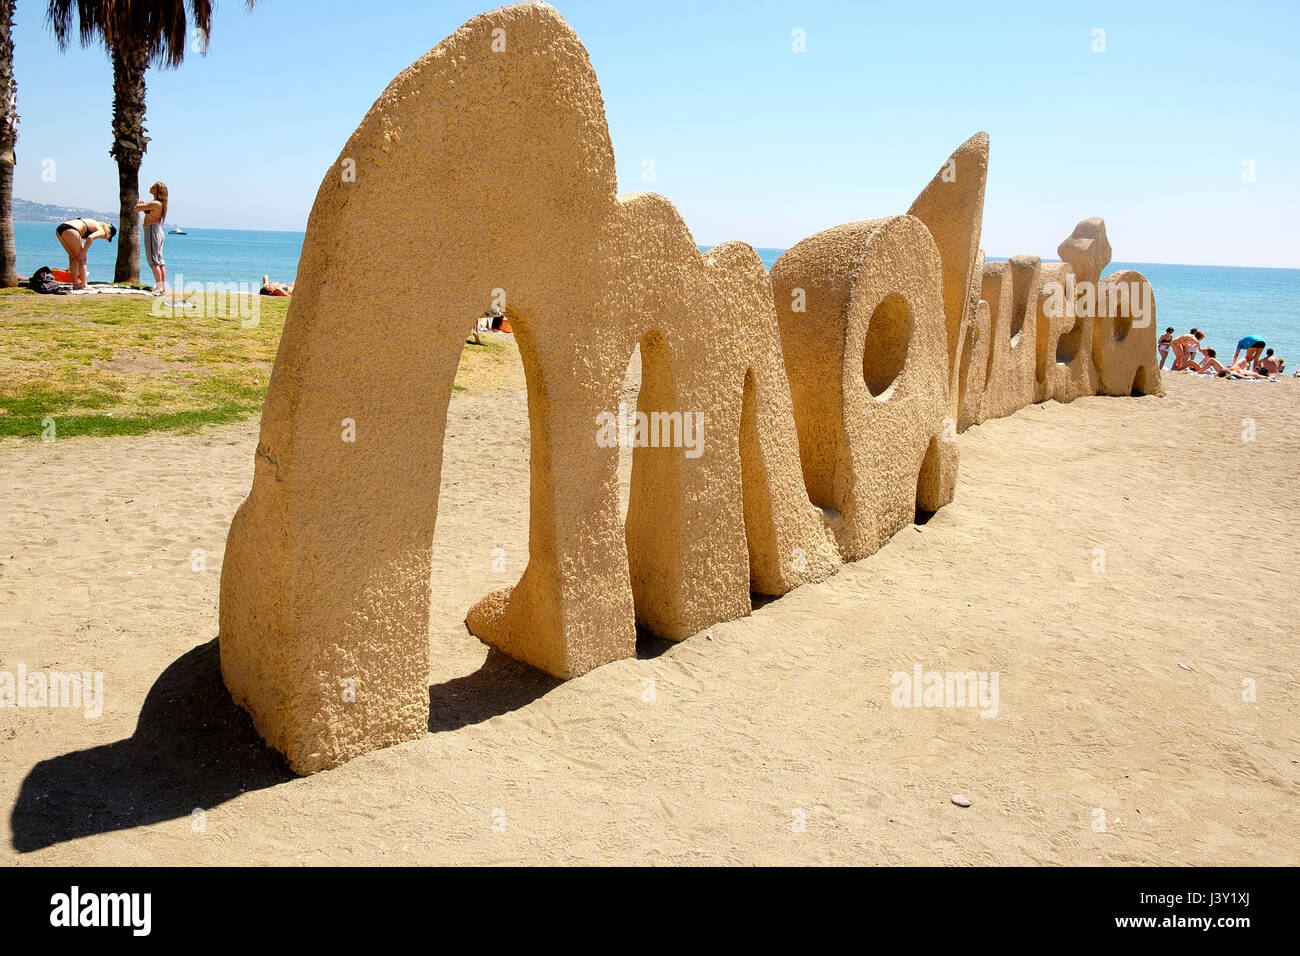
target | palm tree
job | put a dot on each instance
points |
(8, 139)
(137, 34)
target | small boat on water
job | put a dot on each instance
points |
(178, 231)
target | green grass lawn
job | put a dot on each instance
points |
(110, 365)
(104, 365)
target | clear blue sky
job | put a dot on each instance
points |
(750, 139)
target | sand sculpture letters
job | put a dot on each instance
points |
(822, 400)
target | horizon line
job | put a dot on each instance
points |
(703, 246)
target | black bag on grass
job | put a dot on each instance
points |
(43, 281)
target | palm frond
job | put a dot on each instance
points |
(160, 29)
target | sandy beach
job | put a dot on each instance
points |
(1126, 567)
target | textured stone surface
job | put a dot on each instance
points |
(506, 158)
(1124, 336)
(1066, 369)
(1087, 250)
(963, 402)
(788, 539)
(868, 371)
(1011, 291)
(1064, 366)
(952, 208)
(839, 381)
(974, 368)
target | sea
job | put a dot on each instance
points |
(1225, 302)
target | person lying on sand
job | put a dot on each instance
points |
(75, 236)
(1241, 373)
(1241, 370)
(489, 321)
(1185, 347)
(275, 288)
(1163, 345)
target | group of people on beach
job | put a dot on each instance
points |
(1252, 360)
(76, 235)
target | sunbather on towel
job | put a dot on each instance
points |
(275, 288)
(1241, 370)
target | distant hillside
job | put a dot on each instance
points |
(27, 211)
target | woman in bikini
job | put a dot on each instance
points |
(155, 211)
(75, 236)
(1163, 345)
(1185, 347)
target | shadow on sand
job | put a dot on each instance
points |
(500, 685)
(194, 747)
(504, 684)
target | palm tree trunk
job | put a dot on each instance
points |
(8, 139)
(129, 144)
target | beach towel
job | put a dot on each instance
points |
(109, 290)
